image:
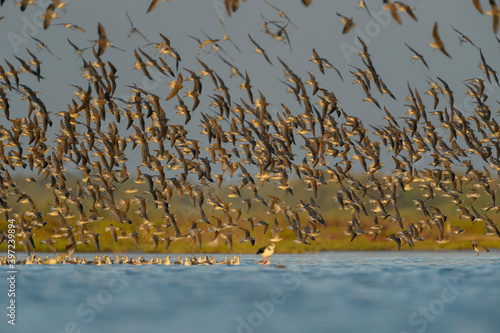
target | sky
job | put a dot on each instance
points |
(318, 27)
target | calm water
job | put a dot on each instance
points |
(327, 292)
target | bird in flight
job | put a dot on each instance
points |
(348, 23)
(153, 5)
(103, 42)
(134, 30)
(438, 43)
(417, 56)
(260, 50)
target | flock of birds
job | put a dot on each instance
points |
(62, 259)
(245, 141)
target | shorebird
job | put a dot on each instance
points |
(417, 56)
(95, 238)
(348, 23)
(228, 239)
(25, 3)
(406, 8)
(71, 26)
(495, 12)
(42, 46)
(112, 230)
(260, 50)
(438, 43)
(393, 8)
(457, 230)
(226, 36)
(362, 4)
(134, 30)
(49, 15)
(175, 86)
(282, 14)
(479, 248)
(70, 249)
(50, 243)
(103, 42)
(319, 61)
(266, 252)
(203, 44)
(153, 5)
(463, 38)
(394, 238)
(247, 238)
(477, 4)
(350, 232)
(135, 237)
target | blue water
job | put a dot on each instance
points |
(327, 292)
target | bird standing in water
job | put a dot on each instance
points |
(266, 253)
(479, 248)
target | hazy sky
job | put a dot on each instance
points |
(318, 27)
